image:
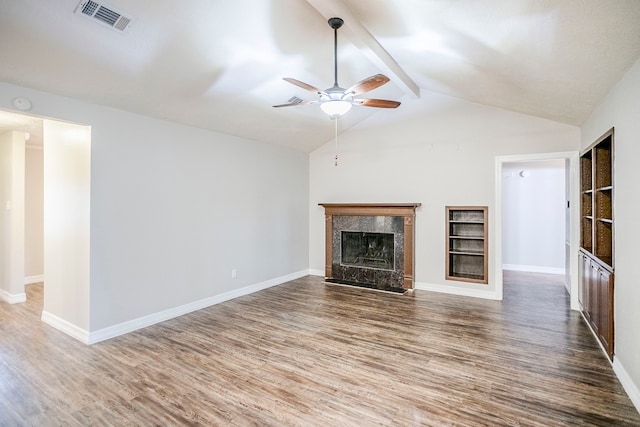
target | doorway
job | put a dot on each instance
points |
(534, 216)
(66, 177)
(536, 229)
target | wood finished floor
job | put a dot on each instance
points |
(309, 354)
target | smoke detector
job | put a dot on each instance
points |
(104, 14)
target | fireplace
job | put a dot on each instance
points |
(370, 245)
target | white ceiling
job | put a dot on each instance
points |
(218, 64)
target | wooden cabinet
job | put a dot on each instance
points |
(466, 244)
(596, 298)
(596, 269)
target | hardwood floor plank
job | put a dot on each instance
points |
(306, 353)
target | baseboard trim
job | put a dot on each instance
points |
(65, 326)
(314, 272)
(30, 280)
(151, 319)
(454, 290)
(627, 383)
(533, 269)
(12, 298)
(625, 379)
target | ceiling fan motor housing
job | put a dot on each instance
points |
(336, 93)
(335, 22)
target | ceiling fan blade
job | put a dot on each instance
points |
(303, 85)
(368, 84)
(377, 103)
(293, 104)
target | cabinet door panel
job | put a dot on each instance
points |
(605, 295)
(587, 288)
(594, 304)
(583, 274)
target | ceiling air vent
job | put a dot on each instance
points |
(104, 14)
(294, 100)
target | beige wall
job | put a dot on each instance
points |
(34, 220)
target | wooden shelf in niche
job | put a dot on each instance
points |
(603, 204)
(604, 237)
(466, 246)
(603, 167)
(587, 202)
(586, 234)
(586, 173)
(466, 243)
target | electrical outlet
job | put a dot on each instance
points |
(234, 273)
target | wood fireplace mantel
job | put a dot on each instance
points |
(374, 209)
(405, 210)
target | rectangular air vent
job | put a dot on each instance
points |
(104, 14)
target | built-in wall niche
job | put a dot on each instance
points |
(596, 273)
(466, 244)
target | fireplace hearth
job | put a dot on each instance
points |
(370, 245)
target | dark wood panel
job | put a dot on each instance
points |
(309, 354)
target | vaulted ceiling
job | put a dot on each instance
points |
(219, 64)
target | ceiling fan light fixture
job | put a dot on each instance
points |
(335, 108)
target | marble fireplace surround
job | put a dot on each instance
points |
(396, 218)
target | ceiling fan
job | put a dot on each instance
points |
(336, 100)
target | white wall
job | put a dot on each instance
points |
(621, 109)
(185, 207)
(442, 153)
(67, 179)
(33, 215)
(174, 209)
(6, 178)
(12, 161)
(533, 216)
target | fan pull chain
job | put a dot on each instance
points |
(336, 138)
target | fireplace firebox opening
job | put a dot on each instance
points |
(367, 250)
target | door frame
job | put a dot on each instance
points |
(574, 220)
